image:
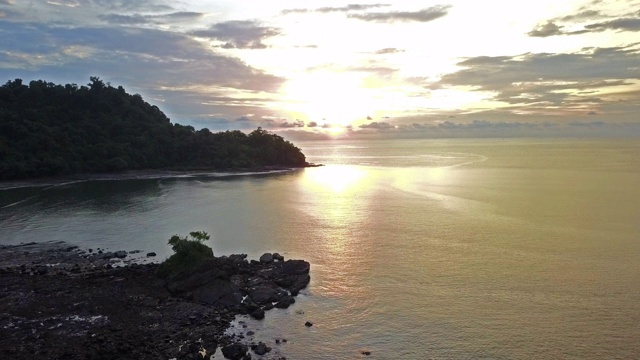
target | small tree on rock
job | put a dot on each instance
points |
(189, 253)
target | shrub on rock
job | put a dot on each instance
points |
(190, 252)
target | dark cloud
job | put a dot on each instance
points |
(624, 24)
(175, 69)
(546, 29)
(377, 125)
(239, 34)
(312, 124)
(548, 79)
(350, 7)
(294, 124)
(425, 15)
(585, 19)
(496, 129)
(388, 51)
(127, 5)
(583, 15)
(137, 19)
(242, 119)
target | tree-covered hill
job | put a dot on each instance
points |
(49, 130)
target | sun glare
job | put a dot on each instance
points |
(329, 98)
(337, 178)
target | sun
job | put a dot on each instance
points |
(332, 99)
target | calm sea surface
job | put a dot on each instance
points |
(443, 249)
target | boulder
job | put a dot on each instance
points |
(278, 257)
(285, 302)
(261, 349)
(151, 254)
(235, 351)
(266, 258)
(294, 283)
(187, 281)
(120, 254)
(238, 258)
(265, 293)
(294, 267)
(218, 292)
(257, 314)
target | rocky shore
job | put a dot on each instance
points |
(58, 302)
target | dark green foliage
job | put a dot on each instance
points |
(189, 253)
(50, 130)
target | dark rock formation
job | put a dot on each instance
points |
(235, 351)
(266, 258)
(224, 281)
(257, 314)
(285, 302)
(67, 304)
(261, 348)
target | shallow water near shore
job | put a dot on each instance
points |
(445, 249)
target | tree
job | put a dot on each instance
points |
(189, 253)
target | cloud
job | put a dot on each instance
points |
(583, 22)
(183, 75)
(358, 11)
(127, 5)
(293, 124)
(388, 51)
(546, 29)
(312, 124)
(586, 14)
(137, 19)
(425, 15)
(477, 128)
(239, 34)
(570, 81)
(350, 7)
(377, 125)
(7, 2)
(382, 71)
(623, 24)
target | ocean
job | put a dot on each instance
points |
(420, 249)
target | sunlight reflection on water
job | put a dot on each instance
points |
(337, 178)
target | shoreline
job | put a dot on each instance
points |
(145, 175)
(62, 302)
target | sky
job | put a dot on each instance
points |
(331, 69)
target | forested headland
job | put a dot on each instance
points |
(52, 130)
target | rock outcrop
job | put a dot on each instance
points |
(234, 281)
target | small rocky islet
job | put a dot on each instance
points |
(60, 302)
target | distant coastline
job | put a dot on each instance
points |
(49, 130)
